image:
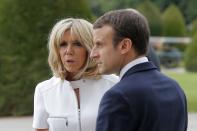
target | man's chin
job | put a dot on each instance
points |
(101, 71)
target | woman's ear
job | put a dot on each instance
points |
(125, 46)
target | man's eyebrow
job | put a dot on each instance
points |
(98, 41)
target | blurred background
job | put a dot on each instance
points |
(25, 25)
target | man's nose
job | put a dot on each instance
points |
(93, 53)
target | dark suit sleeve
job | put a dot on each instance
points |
(113, 113)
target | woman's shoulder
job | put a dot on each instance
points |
(111, 78)
(47, 84)
(104, 79)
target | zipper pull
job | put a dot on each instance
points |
(66, 122)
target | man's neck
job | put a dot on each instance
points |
(127, 59)
(130, 64)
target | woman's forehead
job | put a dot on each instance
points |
(69, 36)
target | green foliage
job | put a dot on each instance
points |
(99, 7)
(190, 11)
(194, 27)
(163, 4)
(173, 22)
(24, 30)
(187, 7)
(152, 13)
(190, 55)
(104, 6)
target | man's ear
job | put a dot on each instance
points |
(125, 46)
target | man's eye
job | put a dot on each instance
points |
(98, 44)
(63, 44)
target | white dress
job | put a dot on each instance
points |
(56, 107)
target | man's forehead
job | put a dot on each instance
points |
(103, 31)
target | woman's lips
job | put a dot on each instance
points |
(70, 61)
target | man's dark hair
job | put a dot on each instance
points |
(127, 23)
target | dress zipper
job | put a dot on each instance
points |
(79, 119)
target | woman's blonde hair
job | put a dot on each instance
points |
(82, 30)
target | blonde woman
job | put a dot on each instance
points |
(69, 100)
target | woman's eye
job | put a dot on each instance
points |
(63, 44)
(77, 43)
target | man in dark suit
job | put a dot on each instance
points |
(144, 99)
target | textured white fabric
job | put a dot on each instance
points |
(55, 103)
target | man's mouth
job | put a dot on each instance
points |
(99, 63)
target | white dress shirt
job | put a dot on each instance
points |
(131, 64)
(56, 107)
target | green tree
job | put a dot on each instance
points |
(173, 22)
(194, 27)
(187, 7)
(25, 26)
(99, 7)
(163, 4)
(190, 55)
(190, 11)
(153, 15)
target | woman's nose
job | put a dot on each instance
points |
(69, 50)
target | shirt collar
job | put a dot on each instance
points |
(131, 64)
